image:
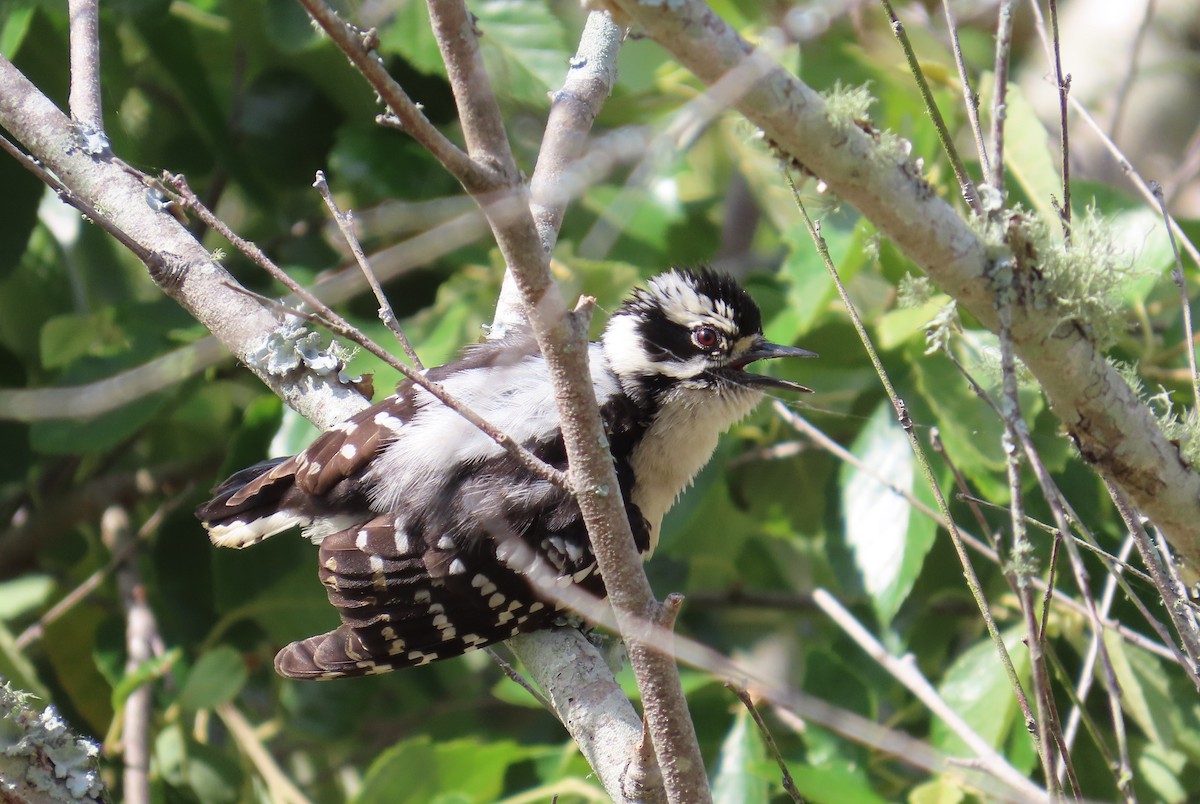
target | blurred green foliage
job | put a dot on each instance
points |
(247, 100)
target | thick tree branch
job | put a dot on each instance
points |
(563, 341)
(85, 63)
(1115, 433)
(573, 110)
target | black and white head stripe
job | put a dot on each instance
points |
(687, 298)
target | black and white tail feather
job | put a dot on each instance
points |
(427, 529)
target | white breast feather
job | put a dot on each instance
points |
(679, 444)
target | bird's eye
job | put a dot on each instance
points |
(705, 337)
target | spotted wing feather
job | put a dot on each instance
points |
(415, 586)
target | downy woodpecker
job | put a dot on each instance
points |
(428, 529)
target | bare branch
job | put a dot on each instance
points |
(1004, 25)
(1184, 302)
(281, 788)
(359, 47)
(970, 97)
(142, 643)
(1063, 83)
(573, 110)
(121, 200)
(345, 222)
(789, 784)
(85, 63)
(965, 184)
(1127, 80)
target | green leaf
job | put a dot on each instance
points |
(66, 338)
(24, 594)
(410, 34)
(834, 783)
(288, 27)
(22, 190)
(740, 751)
(889, 543)
(1160, 770)
(144, 673)
(474, 770)
(977, 688)
(406, 772)
(170, 753)
(214, 775)
(215, 679)
(937, 791)
(524, 48)
(16, 667)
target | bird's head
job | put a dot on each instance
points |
(692, 330)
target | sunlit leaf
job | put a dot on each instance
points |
(215, 679)
(24, 594)
(524, 48)
(741, 749)
(144, 673)
(888, 540)
(977, 688)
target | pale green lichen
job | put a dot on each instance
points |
(293, 346)
(987, 364)
(40, 755)
(914, 291)
(941, 329)
(1081, 280)
(849, 107)
(1179, 425)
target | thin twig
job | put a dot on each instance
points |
(1004, 25)
(279, 786)
(142, 643)
(120, 553)
(518, 679)
(1022, 551)
(970, 96)
(1063, 82)
(789, 702)
(905, 671)
(573, 110)
(562, 336)
(1127, 634)
(345, 222)
(965, 184)
(1170, 597)
(969, 574)
(1189, 166)
(1049, 592)
(1177, 275)
(359, 47)
(789, 784)
(1186, 610)
(101, 396)
(1118, 155)
(1086, 673)
(85, 64)
(1121, 96)
(342, 327)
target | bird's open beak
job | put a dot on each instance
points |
(765, 350)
